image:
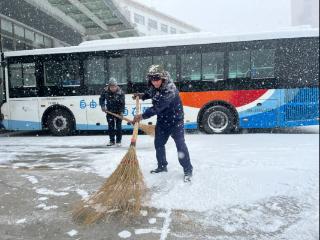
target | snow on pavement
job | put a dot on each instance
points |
(243, 183)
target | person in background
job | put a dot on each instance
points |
(167, 105)
(112, 99)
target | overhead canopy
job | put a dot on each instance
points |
(96, 19)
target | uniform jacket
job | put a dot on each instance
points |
(166, 104)
(114, 102)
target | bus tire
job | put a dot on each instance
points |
(218, 120)
(60, 123)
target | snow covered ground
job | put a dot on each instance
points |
(255, 184)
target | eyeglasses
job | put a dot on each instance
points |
(154, 78)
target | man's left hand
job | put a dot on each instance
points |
(137, 118)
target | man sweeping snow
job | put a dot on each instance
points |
(168, 107)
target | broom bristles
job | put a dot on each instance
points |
(121, 193)
(148, 129)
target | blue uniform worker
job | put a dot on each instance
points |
(167, 105)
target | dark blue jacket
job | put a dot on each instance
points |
(166, 103)
(114, 102)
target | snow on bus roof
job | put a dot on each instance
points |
(165, 41)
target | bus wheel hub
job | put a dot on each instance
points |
(218, 121)
(59, 122)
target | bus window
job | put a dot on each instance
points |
(169, 64)
(22, 75)
(94, 70)
(262, 63)
(139, 68)
(118, 69)
(65, 73)
(239, 64)
(212, 66)
(190, 66)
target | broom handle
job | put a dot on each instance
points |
(136, 125)
(119, 116)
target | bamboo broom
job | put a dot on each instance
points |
(122, 192)
(148, 129)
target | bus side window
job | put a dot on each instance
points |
(169, 64)
(262, 63)
(118, 69)
(191, 66)
(62, 73)
(139, 68)
(212, 66)
(22, 75)
(239, 64)
(94, 70)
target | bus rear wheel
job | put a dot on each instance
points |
(60, 123)
(218, 120)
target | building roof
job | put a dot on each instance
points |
(96, 19)
(166, 41)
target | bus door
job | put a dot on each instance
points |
(23, 101)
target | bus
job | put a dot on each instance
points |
(226, 83)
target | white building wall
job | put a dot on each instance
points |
(173, 26)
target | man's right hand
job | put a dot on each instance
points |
(139, 95)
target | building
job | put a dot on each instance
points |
(29, 24)
(149, 21)
(305, 12)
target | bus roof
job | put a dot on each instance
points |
(165, 41)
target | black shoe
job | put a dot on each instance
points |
(159, 170)
(110, 144)
(187, 177)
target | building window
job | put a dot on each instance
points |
(139, 19)
(173, 30)
(19, 31)
(6, 27)
(152, 24)
(164, 28)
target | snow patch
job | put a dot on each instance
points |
(72, 233)
(45, 191)
(124, 234)
(144, 213)
(23, 220)
(152, 220)
(32, 179)
(45, 207)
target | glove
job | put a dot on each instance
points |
(137, 118)
(139, 95)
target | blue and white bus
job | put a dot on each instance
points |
(263, 80)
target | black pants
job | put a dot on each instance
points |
(115, 128)
(177, 133)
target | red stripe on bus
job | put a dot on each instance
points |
(236, 98)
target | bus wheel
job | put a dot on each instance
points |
(218, 119)
(60, 122)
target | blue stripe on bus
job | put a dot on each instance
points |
(22, 125)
